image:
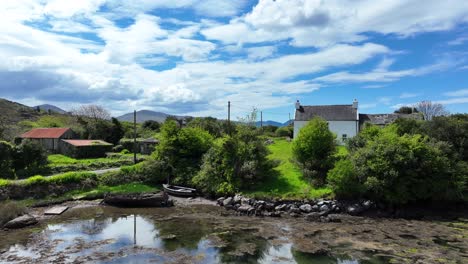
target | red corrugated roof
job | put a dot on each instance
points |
(55, 132)
(85, 142)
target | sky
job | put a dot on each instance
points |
(191, 57)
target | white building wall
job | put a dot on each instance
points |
(350, 128)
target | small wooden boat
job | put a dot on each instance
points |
(179, 190)
(160, 199)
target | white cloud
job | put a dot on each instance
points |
(458, 41)
(409, 95)
(461, 92)
(461, 100)
(260, 52)
(323, 23)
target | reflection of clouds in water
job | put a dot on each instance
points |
(146, 234)
(278, 254)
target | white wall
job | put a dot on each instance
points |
(350, 128)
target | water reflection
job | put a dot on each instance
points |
(109, 238)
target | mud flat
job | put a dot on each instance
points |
(199, 232)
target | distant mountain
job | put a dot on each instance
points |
(53, 108)
(144, 115)
(13, 113)
(274, 123)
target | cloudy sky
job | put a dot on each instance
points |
(191, 57)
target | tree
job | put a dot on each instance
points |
(210, 124)
(234, 163)
(406, 110)
(182, 149)
(29, 158)
(6, 160)
(116, 131)
(152, 125)
(313, 149)
(430, 109)
(95, 112)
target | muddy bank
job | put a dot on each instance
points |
(194, 232)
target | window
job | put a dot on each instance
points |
(344, 137)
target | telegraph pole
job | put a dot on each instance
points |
(134, 137)
(229, 117)
(261, 120)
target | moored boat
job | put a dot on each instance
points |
(179, 190)
(160, 199)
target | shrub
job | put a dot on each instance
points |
(314, 148)
(182, 150)
(29, 158)
(400, 169)
(286, 131)
(6, 160)
(344, 181)
(118, 148)
(234, 163)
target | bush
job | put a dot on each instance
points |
(118, 148)
(314, 148)
(234, 163)
(286, 131)
(10, 210)
(344, 181)
(29, 158)
(6, 160)
(182, 150)
(401, 169)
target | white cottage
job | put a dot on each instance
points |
(343, 120)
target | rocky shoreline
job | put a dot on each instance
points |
(323, 210)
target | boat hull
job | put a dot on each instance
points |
(179, 190)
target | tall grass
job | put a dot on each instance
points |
(10, 210)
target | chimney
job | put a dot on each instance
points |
(298, 105)
(355, 104)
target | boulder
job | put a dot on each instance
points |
(312, 216)
(245, 201)
(315, 208)
(354, 209)
(367, 204)
(336, 218)
(220, 201)
(22, 221)
(269, 206)
(306, 208)
(294, 209)
(281, 207)
(228, 201)
(246, 209)
(237, 198)
(324, 208)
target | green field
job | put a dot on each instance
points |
(287, 181)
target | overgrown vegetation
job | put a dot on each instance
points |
(21, 160)
(314, 150)
(10, 210)
(408, 161)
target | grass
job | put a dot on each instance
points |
(123, 188)
(288, 181)
(58, 159)
(9, 210)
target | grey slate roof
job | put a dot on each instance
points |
(385, 119)
(327, 112)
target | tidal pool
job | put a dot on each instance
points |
(199, 234)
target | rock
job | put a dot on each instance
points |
(320, 203)
(315, 208)
(275, 214)
(220, 201)
(245, 201)
(354, 209)
(281, 207)
(312, 216)
(295, 210)
(336, 218)
(237, 198)
(306, 208)
(324, 208)
(367, 204)
(269, 206)
(228, 201)
(22, 221)
(292, 214)
(246, 209)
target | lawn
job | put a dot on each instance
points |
(288, 181)
(61, 163)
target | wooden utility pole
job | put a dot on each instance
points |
(261, 119)
(229, 117)
(134, 138)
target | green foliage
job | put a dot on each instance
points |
(35, 180)
(234, 163)
(29, 158)
(406, 110)
(71, 177)
(182, 150)
(210, 124)
(400, 169)
(6, 160)
(152, 125)
(286, 131)
(314, 148)
(4, 182)
(344, 181)
(116, 132)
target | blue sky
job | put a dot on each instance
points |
(191, 57)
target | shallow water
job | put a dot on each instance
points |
(159, 235)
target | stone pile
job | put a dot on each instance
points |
(323, 210)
